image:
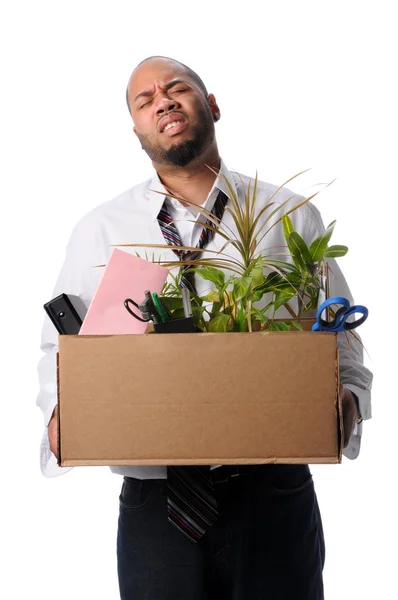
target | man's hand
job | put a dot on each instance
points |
(53, 432)
(350, 414)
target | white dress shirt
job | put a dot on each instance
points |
(132, 218)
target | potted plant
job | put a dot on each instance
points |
(239, 285)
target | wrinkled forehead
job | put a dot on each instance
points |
(154, 72)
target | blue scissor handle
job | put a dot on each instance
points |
(339, 323)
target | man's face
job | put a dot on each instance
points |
(173, 119)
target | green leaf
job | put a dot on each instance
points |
(287, 283)
(240, 321)
(241, 287)
(297, 325)
(335, 251)
(299, 248)
(215, 309)
(219, 323)
(284, 266)
(259, 315)
(257, 272)
(276, 283)
(269, 283)
(319, 245)
(287, 225)
(172, 303)
(197, 312)
(257, 295)
(272, 279)
(283, 296)
(211, 297)
(212, 274)
(178, 314)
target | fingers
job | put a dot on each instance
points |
(53, 432)
(349, 415)
(349, 426)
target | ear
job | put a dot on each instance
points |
(211, 100)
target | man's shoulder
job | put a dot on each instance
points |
(118, 206)
(278, 194)
(265, 189)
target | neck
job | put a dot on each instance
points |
(194, 181)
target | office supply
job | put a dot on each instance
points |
(160, 308)
(340, 320)
(63, 315)
(323, 291)
(184, 325)
(186, 301)
(150, 308)
(144, 318)
(125, 276)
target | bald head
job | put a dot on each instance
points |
(187, 70)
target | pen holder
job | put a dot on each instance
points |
(185, 325)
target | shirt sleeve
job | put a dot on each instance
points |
(353, 374)
(77, 278)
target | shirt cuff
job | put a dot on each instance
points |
(354, 446)
(364, 404)
(48, 462)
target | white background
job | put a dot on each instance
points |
(300, 85)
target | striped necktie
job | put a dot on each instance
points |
(172, 237)
(191, 503)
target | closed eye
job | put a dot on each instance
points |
(179, 91)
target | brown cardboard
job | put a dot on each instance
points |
(208, 398)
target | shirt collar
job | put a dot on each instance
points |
(155, 200)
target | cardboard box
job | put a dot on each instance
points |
(209, 398)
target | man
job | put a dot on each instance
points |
(267, 541)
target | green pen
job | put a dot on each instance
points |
(160, 308)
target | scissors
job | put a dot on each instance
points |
(339, 322)
(151, 309)
(147, 309)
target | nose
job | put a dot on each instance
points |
(166, 104)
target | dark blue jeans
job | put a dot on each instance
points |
(266, 545)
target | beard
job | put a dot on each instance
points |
(181, 154)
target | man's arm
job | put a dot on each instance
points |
(354, 376)
(77, 278)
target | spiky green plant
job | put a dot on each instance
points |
(240, 283)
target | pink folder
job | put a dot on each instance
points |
(125, 276)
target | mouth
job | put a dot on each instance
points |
(173, 125)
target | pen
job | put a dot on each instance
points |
(160, 309)
(186, 301)
(323, 292)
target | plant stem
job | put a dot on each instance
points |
(301, 296)
(249, 315)
(290, 310)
